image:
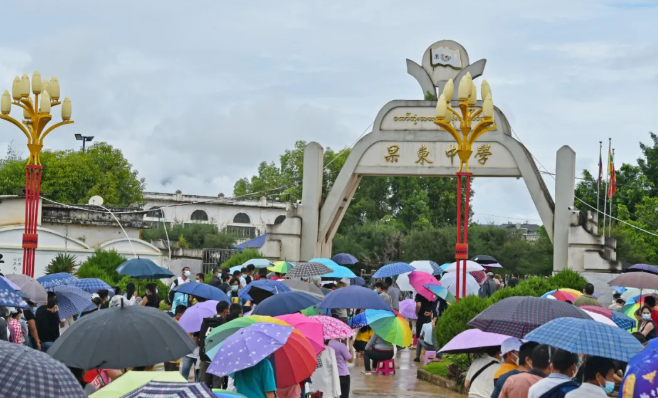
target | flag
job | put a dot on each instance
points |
(612, 187)
(600, 179)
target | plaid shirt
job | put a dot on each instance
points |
(16, 332)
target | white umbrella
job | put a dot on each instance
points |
(449, 281)
(632, 292)
(403, 279)
(471, 266)
(600, 318)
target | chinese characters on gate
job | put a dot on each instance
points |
(423, 154)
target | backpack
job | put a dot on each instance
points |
(207, 326)
(560, 390)
(170, 297)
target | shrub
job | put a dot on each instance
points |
(241, 258)
(63, 262)
(102, 264)
(458, 367)
(567, 279)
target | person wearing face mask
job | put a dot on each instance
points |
(381, 289)
(524, 361)
(510, 352)
(538, 361)
(646, 326)
(233, 293)
(559, 382)
(599, 381)
(175, 299)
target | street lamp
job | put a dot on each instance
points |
(36, 115)
(466, 115)
(84, 139)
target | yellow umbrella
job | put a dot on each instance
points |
(133, 380)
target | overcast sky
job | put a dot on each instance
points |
(198, 93)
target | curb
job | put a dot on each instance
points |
(439, 381)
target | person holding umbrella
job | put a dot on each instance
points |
(524, 360)
(32, 326)
(599, 381)
(565, 367)
(47, 319)
(151, 298)
(646, 325)
(517, 386)
(394, 293)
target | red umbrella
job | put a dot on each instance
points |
(295, 361)
(418, 279)
(309, 327)
(480, 276)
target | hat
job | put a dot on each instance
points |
(490, 273)
(509, 345)
(95, 295)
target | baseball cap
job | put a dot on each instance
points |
(95, 295)
(490, 273)
(509, 345)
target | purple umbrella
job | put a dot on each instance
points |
(643, 267)
(248, 346)
(473, 341)
(408, 309)
(10, 283)
(193, 316)
(344, 259)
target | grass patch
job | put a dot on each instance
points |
(438, 368)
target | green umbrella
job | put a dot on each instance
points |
(281, 267)
(133, 380)
(311, 311)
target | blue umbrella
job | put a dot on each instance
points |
(623, 321)
(285, 303)
(344, 259)
(640, 376)
(358, 281)
(444, 266)
(202, 290)
(258, 263)
(619, 289)
(643, 267)
(91, 285)
(394, 269)
(339, 270)
(52, 280)
(71, 300)
(143, 268)
(358, 321)
(356, 297)
(236, 268)
(586, 336)
(9, 297)
(274, 287)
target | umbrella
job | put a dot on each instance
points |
(282, 267)
(403, 283)
(563, 294)
(285, 303)
(585, 336)
(632, 295)
(408, 309)
(301, 286)
(28, 373)
(470, 267)
(344, 259)
(358, 321)
(619, 289)
(517, 316)
(258, 263)
(193, 316)
(227, 394)
(134, 379)
(356, 297)
(333, 328)
(394, 269)
(9, 297)
(122, 337)
(449, 281)
(492, 265)
(643, 267)
(167, 389)
(72, 300)
(428, 266)
(358, 281)
(338, 271)
(9, 283)
(418, 279)
(600, 318)
(480, 276)
(258, 291)
(303, 270)
(203, 290)
(143, 268)
(444, 266)
(640, 376)
(30, 286)
(311, 311)
(473, 341)
(91, 285)
(310, 328)
(638, 279)
(440, 292)
(621, 320)
(484, 259)
(225, 330)
(390, 326)
(52, 280)
(236, 268)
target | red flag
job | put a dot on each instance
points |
(612, 187)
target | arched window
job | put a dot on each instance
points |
(199, 215)
(279, 219)
(241, 218)
(155, 212)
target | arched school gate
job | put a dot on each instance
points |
(405, 142)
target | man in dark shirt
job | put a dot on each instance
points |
(207, 325)
(32, 326)
(423, 311)
(224, 286)
(47, 318)
(3, 323)
(250, 271)
(215, 280)
(514, 280)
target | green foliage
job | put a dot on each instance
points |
(567, 279)
(241, 258)
(373, 244)
(182, 243)
(75, 176)
(429, 96)
(102, 265)
(62, 262)
(439, 368)
(197, 236)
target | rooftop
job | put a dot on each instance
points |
(525, 225)
(179, 197)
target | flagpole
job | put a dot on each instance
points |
(598, 182)
(605, 201)
(611, 196)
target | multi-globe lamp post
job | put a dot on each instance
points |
(466, 113)
(36, 115)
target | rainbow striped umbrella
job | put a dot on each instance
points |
(390, 326)
(563, 294)
(281, 267)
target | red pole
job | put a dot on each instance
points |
(466, 214)
(30, 237)
(459, 218)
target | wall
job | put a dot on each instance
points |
(92, 235)
(12, 210)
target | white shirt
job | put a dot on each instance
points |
(426, 334)
(325, 378)
(243, 281)
(483, 386)
(587, 390)
(545, 384)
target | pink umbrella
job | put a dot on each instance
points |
(333, 328)
(310, 328)
(480, 276)
(473, 341)
(419, 278)
(408, 308)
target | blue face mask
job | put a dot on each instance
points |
(234, 288)
(609, 386)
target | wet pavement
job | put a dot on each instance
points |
(403, 384)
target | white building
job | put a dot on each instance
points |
(244, 218)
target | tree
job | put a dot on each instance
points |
(197, 236)
(75, 176)
(62, 262)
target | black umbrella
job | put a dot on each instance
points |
(518, 316)
(306, 269)
(484, 259)
(27, 373)
(285, 303)
(257, 294)
(122, 337)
